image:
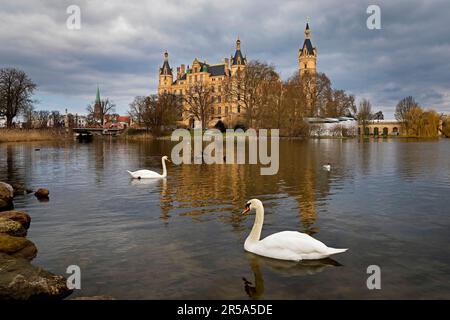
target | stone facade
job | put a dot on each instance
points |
(227, 110)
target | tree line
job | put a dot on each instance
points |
(265, 101)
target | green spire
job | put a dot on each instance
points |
(97, 98)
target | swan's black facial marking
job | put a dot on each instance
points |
(247, 208)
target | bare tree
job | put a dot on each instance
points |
(56, 119)
(404, 110)
(41, 119)
(198, 101)
(246, 88)
(364, 113)
(137, 109)
(295, 106)
(156, 111)
(16, 89)
(97, 113)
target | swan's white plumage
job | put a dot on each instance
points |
(285, 245)
(148, 174)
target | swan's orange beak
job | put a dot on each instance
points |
(246, 210)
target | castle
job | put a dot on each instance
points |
(215, 76)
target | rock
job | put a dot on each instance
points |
(20, 280)
(17, 247)
(94, 298)
(6, 191)
(42, 193)
(23, 218)
(12, 228)
(6, 196)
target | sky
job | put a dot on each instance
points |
(120, 46)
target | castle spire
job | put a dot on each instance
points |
(307, 56)
(238, 58)
(307, 30)
(165, 69)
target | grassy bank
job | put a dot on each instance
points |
(136, 135)
(25, 135)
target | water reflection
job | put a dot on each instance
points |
(189, 226)
(255, 290)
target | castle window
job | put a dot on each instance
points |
(212, 110)
(239, 109)
(219, 99)
(238, 97)
(226, 110)
(219, 110)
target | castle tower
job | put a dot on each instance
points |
(165, 75)
(238, 62)
(307, 55)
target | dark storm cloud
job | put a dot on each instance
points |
(120, 45)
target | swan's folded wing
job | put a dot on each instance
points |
(294, 241)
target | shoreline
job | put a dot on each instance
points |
(61, 135)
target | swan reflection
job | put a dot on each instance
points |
(255, 290)
(144, 182)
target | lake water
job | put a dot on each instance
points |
(388, 201)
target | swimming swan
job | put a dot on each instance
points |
(327, 167)
(285, 245)
(148, 174)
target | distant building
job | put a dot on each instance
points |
(212, 75)
(117, 121)
(388, 127)
(80, 121)
(307, 55)
(98, 105)
(2, 122)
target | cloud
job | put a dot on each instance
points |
(120, 45)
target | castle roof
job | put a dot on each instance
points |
(165, 69)
(217, 70)
(238, 57)
(309, 48)
(213, 70)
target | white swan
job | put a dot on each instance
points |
(327, 167)
(148, 174)
(285, 245)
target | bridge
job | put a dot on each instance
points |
(88, 133)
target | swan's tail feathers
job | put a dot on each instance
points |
(336, 251)
(131, 173)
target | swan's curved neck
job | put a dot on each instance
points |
(164, 174)
(255, 234)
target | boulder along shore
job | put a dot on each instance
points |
(19, 279)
